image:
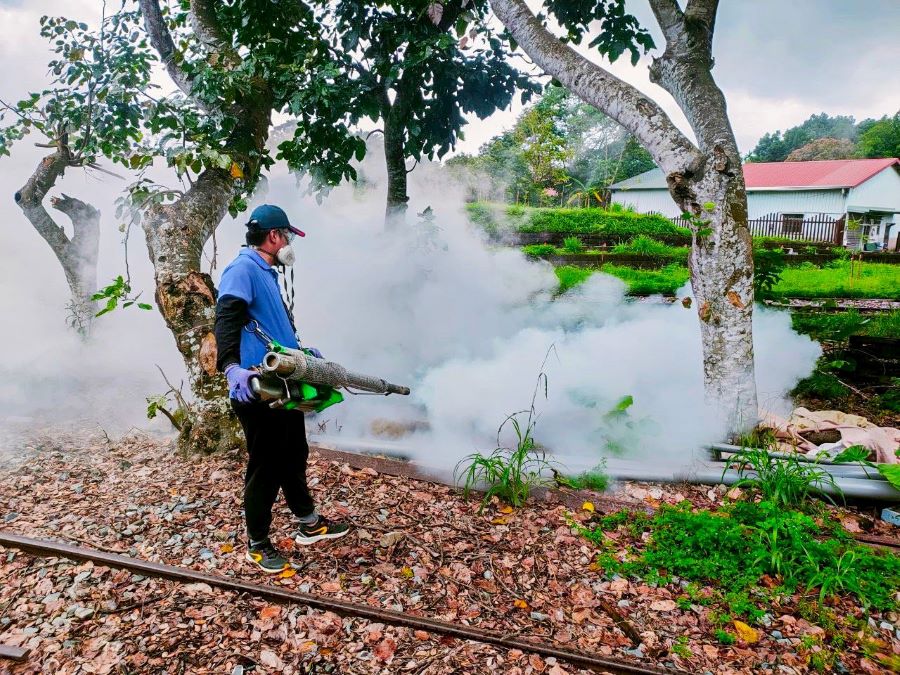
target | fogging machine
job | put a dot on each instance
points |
(294, 379)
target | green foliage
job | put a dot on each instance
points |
(538, 250)
(735, 546)
(562, 144)
(644, 245)
(573, 245)
(615, 226)
(97, 99)
(596, 479)
(881, 138)
(515, 210)
(855, 454)
(775, 147)
(821, 385)
(785, 482)
(482, 215)
(837, 327)
(891, 472)
(724, 637)
(118, 291)
(890, 400)
(570, 276)
(415, 70)
(680, 647)
(179, 416)
(615, 31)
(509, 473)
(768, 264)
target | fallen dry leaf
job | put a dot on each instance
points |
(588, 506)
(288, 573)
(663, 605)
(269, 612)
(745, 632)
(390, 538)
(384, 650)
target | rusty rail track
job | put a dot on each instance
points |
(45, 548)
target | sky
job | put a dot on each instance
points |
(778, 62)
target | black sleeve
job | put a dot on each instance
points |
(231, 317)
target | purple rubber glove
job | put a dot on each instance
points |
(315, 352)
(239, 383)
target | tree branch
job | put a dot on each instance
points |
(668, 15)
(209, 32)
(162, 42)
(670, 149)
(684, 70)
(703, 10)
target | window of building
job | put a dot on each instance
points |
(791, 223)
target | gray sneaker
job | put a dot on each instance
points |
(267, 558)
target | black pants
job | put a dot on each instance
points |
(276, 458)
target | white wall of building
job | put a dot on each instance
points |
(761, 203)
(880, 193)
(646, 201)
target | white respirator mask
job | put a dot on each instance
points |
(286, 255)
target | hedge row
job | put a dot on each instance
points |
(613, 226)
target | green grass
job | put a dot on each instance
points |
(787, 483)
(839, 327)
(876, 280)
(570, 276)
(734, 547)
(640, 282)
(649, 282)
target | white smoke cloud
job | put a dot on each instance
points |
(465, 324)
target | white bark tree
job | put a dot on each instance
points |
(705, 179)
(77, 255)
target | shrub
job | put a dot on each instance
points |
(768, 266)
(515, 210)
(784, 482)
(482, 214)
(644, 245)
(510, 473)
(538, 250)
(573, 245)
(616, 227)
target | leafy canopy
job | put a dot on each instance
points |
(421, 66)
(94, 105)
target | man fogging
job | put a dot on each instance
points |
(271, 382)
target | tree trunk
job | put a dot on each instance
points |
(721, 264)
(77, 256)
(176, 233)
(186, 297)
(84, 249)
(395, 163)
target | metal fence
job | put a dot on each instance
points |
(819, 228)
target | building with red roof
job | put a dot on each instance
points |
(861, 196)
